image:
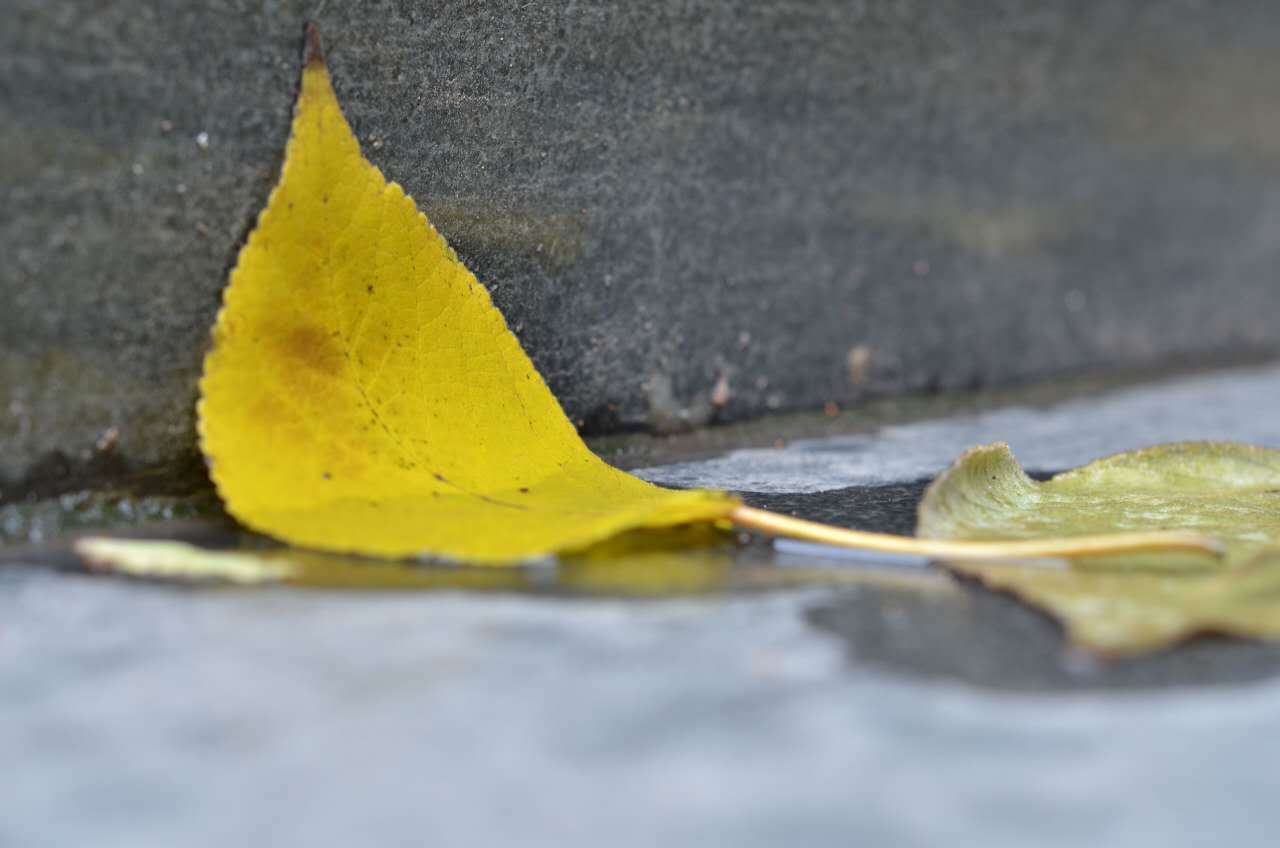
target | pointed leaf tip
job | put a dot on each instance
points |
(311, 53)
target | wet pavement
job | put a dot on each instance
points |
(717, 702)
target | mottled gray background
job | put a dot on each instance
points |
(658, 193)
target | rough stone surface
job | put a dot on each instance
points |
(659, 194)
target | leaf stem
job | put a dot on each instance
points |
(776, 524)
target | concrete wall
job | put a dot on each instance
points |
(660, 194)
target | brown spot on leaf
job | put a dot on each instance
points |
(311, 348)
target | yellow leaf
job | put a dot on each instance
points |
(363, 394)
(183, 562)
(180, 561)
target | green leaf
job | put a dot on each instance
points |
(1125, 613)
(1228, 491)
(1125, 604)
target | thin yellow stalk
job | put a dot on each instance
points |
(775, 524)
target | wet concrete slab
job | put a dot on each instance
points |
(570, 708)
(1237, 405)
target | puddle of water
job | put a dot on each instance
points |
(902, 617)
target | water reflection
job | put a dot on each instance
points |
(678, 562)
